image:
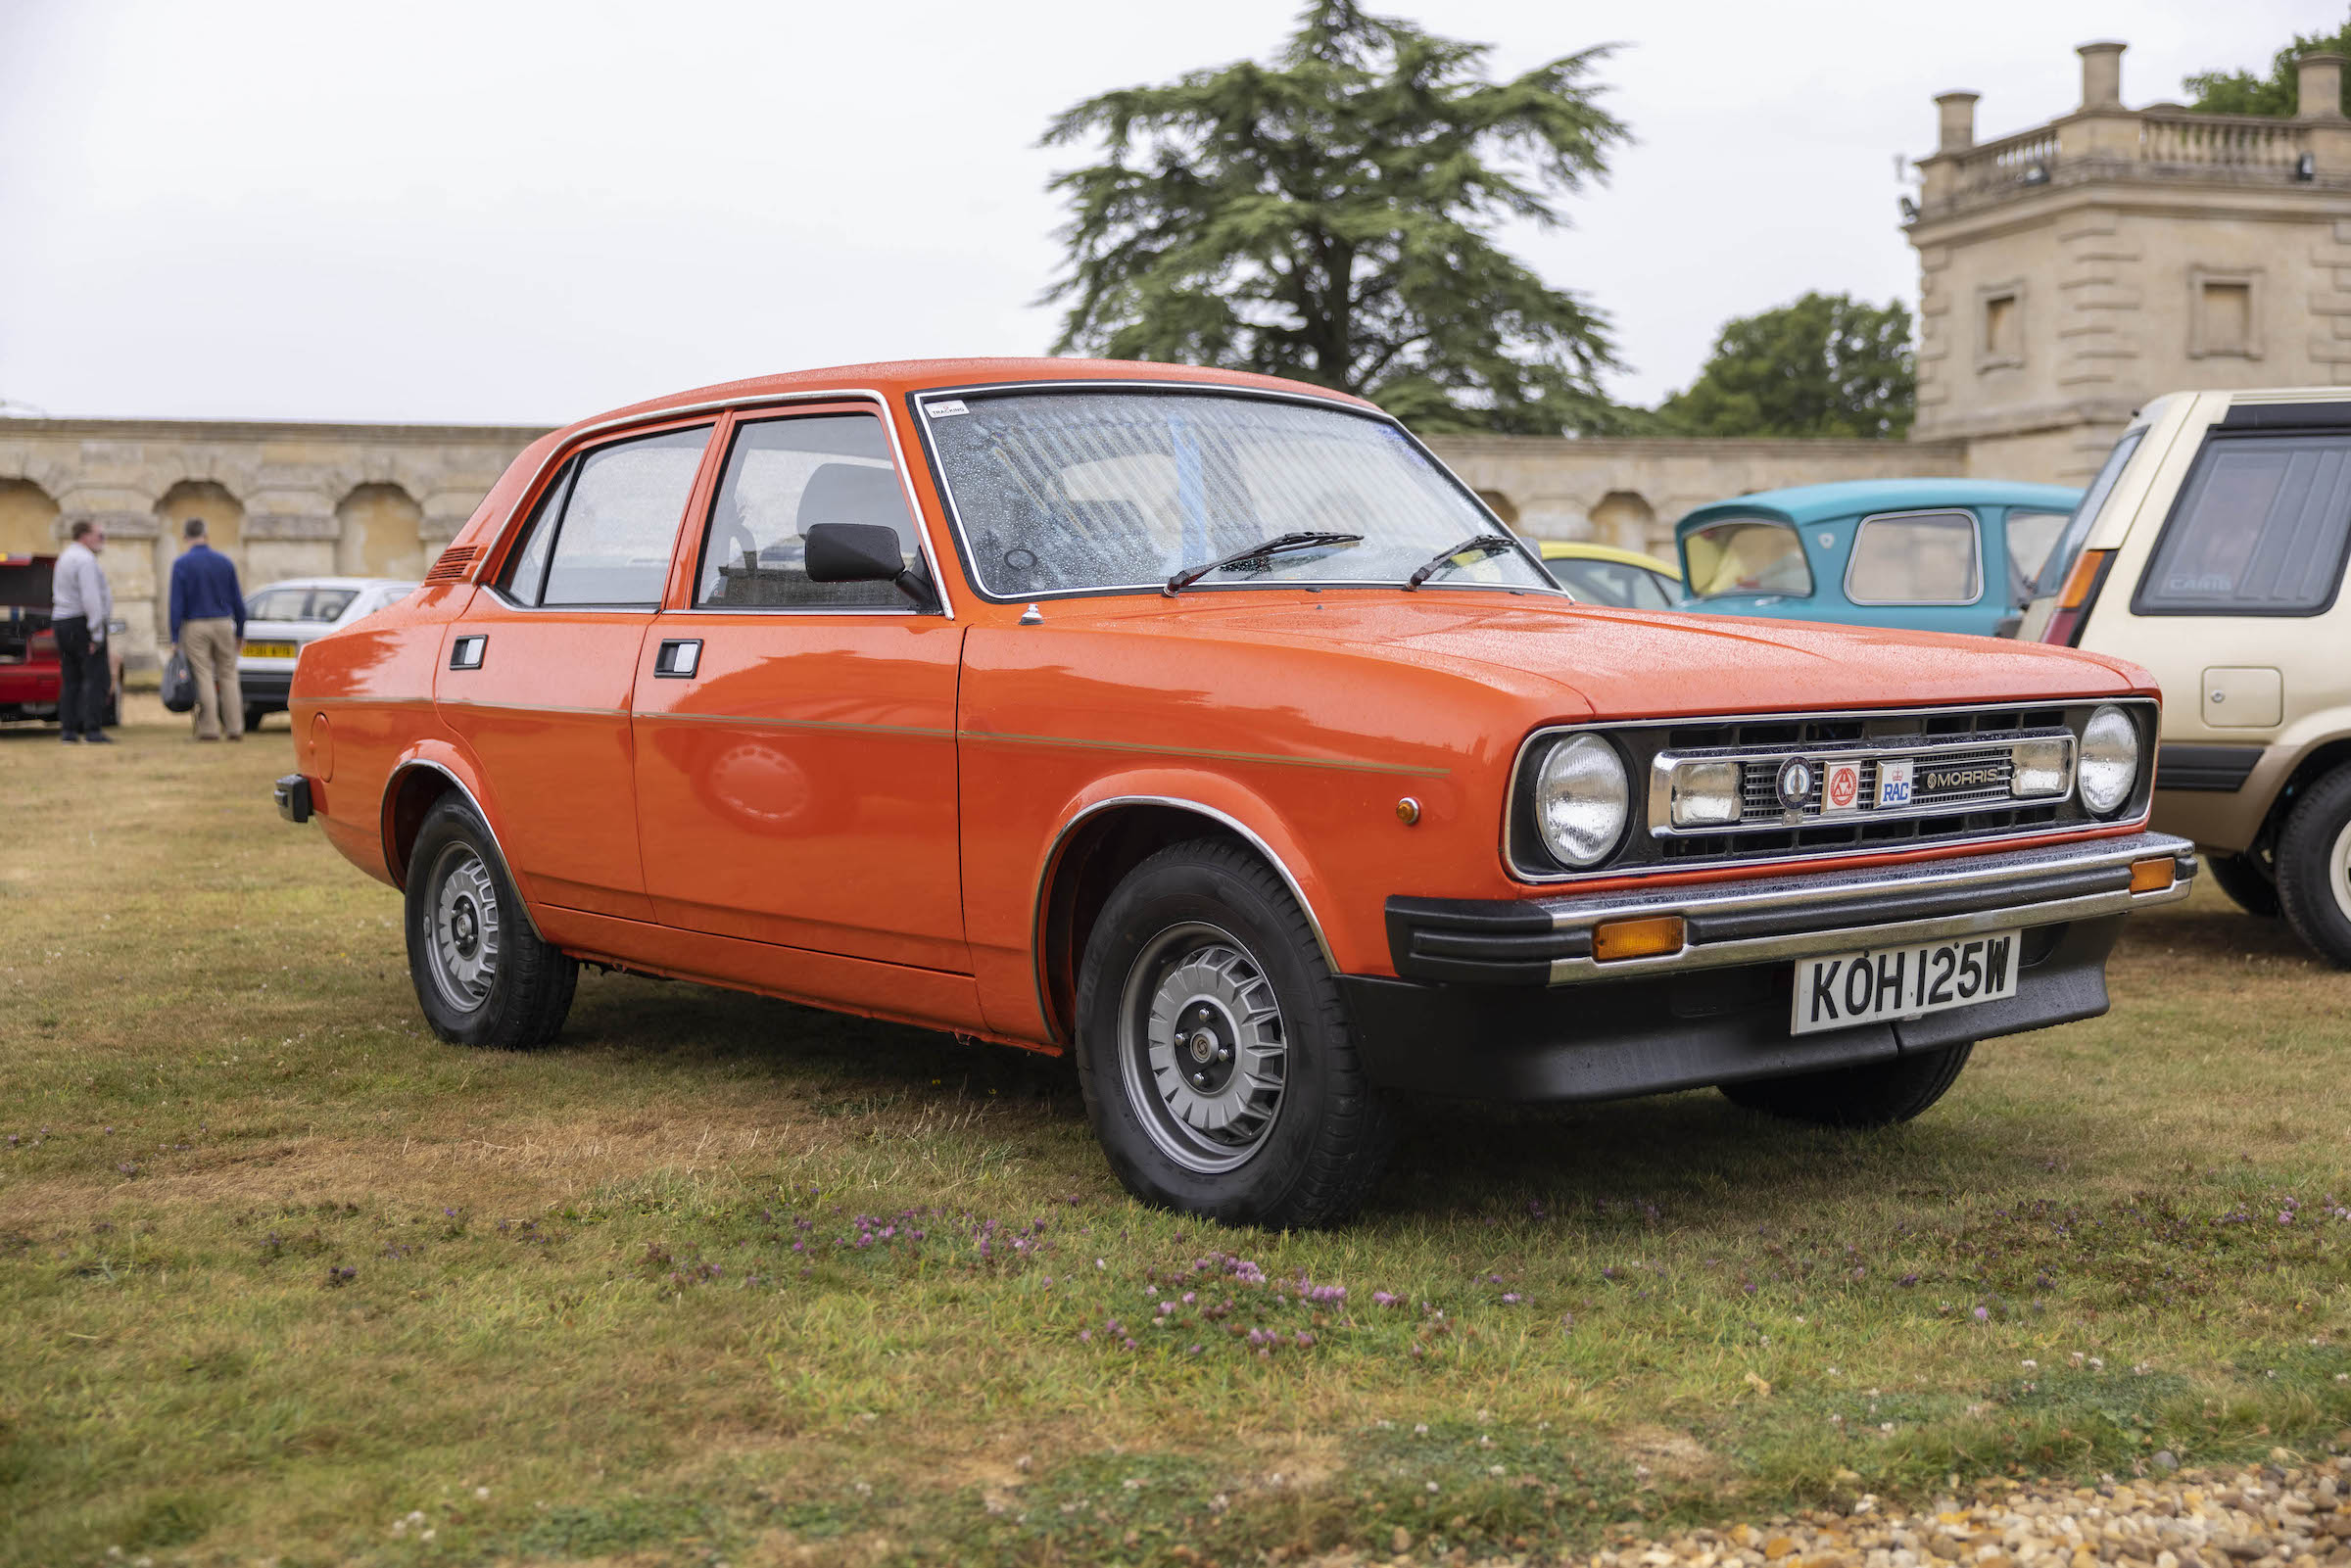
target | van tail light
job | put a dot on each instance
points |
(2073, 601)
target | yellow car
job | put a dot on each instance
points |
(1602, 574)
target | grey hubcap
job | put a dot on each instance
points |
(1202, 1051)
(2339, 870)
(464, 939)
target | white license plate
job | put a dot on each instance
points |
(1839, 990)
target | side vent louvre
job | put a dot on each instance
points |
(451, 567)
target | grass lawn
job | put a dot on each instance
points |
(283, 1276)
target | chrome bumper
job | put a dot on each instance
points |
(1550, 940)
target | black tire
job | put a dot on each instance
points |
(1877, 1094)
(2244, 880)
(2314, 868)
(482, 976)
(1210, 922)
(253, 717)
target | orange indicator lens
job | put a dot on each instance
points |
(2153, 876)
(1637, 938)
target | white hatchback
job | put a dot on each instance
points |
(281, 617)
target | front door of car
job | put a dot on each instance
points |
(796, 740)
(535, 676)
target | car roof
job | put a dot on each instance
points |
(895, 378)
(1848, 498)
(1572, 549)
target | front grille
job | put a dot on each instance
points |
(1761, 795)
(1972, 741)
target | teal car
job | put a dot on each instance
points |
(1922, 555)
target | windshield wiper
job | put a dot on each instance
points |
(1278, 545)
(1479, 545)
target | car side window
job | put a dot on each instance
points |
(783, 477)
(2031, 536)
(620, 521)
(526, 569)
(2260, 529)
(1916, 558)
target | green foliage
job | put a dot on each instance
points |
(1826, 365)
(1331, 218)
(2240, 92)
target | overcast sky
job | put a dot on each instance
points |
(522, 212)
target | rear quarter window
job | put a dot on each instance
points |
(1933, 558)
(1746, 555)
(2259, 529)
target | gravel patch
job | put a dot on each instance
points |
(2285, 1514)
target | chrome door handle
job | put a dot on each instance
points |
(677, 657)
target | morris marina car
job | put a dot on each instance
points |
(1926, 555)
(2213, 545)
(1203, 725)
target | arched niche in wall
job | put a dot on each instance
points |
(28, 519)
(378, 529)
(1624, 519)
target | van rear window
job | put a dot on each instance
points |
(2260, 529)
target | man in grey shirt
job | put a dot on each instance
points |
(81, 600)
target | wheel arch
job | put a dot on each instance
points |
(419, 783)
(1104, 836)
(2312, 766)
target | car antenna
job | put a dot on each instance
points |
(1031, 616)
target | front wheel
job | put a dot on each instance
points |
(1214, 1048)
(2314, 868)
(482, 975)
(1876, 1094)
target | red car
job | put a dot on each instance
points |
(1204, 725)
(29, 673)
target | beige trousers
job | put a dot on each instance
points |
(210, 646)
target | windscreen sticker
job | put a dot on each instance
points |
(946, 408)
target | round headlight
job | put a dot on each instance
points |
(2109, 760)
(1581, 799)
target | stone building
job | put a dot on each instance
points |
(2071, 271)
(2068, 273)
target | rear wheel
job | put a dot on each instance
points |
(1215, 1051)
(2246, 880)
(481, 972)
(1877, 1094)
(253, 717)
(2314, 868)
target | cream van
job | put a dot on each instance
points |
(2211, 550)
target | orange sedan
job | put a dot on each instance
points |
(1204, 725)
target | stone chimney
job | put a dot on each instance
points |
(2318, 86)
(2101, 75)
(1956, 115)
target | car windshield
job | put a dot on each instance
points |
(2060, 558)
(1065, 490)
(1744, 555)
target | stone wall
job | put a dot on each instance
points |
(281, 499)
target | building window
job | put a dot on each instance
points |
(2223, 313)
(2000, 334)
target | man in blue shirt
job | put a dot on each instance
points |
(208, 625)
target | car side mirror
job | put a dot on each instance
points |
(865, 552)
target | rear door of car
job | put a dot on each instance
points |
(796, 740)
(535, 675)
